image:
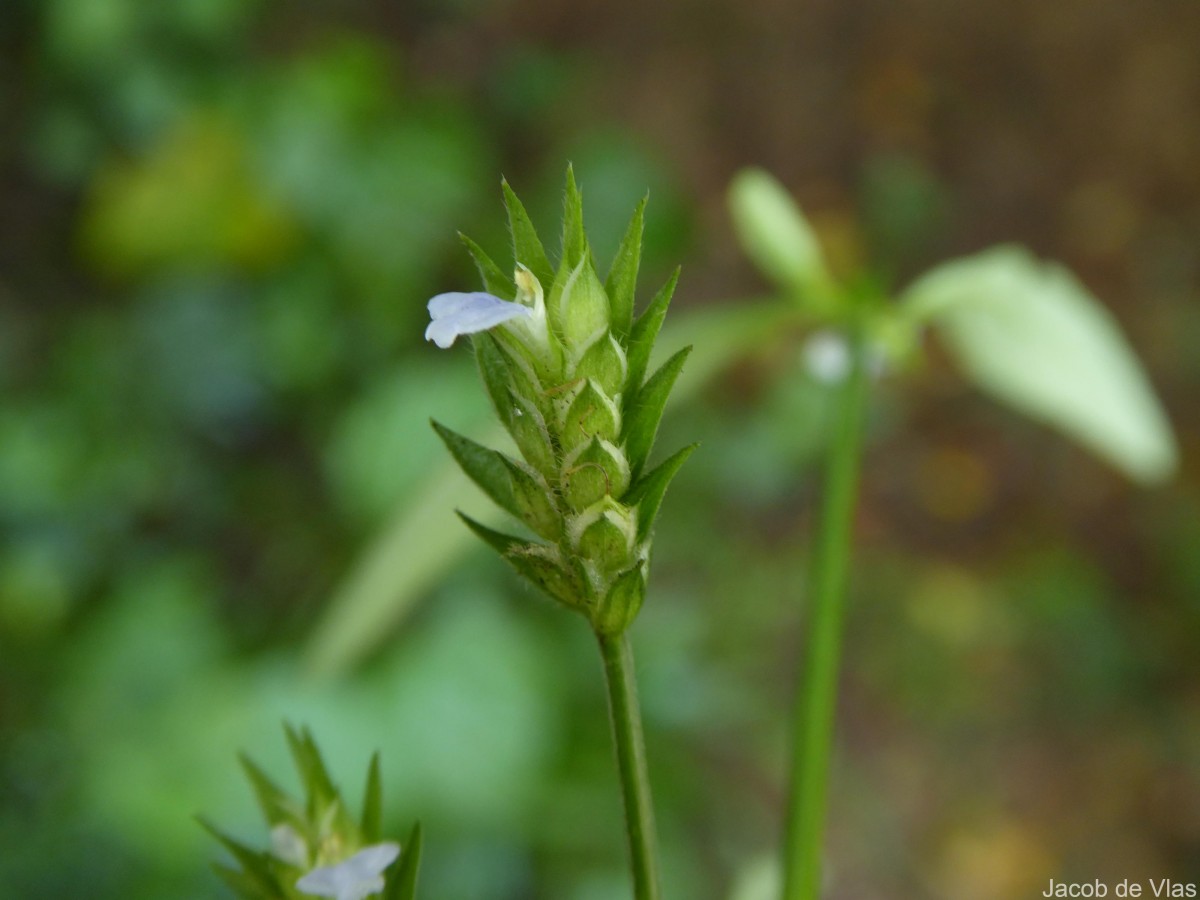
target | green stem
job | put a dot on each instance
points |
(626, 719)
(816, 696)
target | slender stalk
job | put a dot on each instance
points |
(816, 695)
(626, 718)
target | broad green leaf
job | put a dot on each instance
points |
(777, 237)
(495, 281)
(621, 284)
(641, 421)
(645, 332)
(402, 884)
(372, 812)
(648, 492)
(1031, 335)
(527, 246)
(488, 468)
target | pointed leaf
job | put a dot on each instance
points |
(621, 284)
(276, 806)
(487, 468)
(495, 281)
(245, 886)
(574, 242)
(402, 883)
(318, 786)
(372, 814)
(559, 579)
(497, 540)
(648, 493)
(1030, 334)
(533, 499)
(641, 421)
(540, 565)
(644, 333)
(527, 246)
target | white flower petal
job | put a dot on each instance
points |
(288, 845)
(827, 357)
(353, 879)
(457, 313)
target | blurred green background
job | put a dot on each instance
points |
(219, 223)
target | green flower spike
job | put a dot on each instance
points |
(564, 363)
(317, 849)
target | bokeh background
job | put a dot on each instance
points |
(219, 224)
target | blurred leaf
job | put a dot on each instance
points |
(1030, 334)
(255, 864)
(194, 200)
(318, 786)
(272, 800)
(777, 237)
(372, 813)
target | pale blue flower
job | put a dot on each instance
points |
(467, 313)
(355, 878)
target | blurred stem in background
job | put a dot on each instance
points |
(630, 750)
(816, 697)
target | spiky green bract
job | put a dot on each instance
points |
(311, 832)
(641, 424)
(621, 283)
(493, 277)
(372, 813)
(575, 398)
(402, 884)
(645, 332)
(257, 877)
(527, 246)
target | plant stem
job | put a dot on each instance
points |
(816, 695)
(626, 719)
